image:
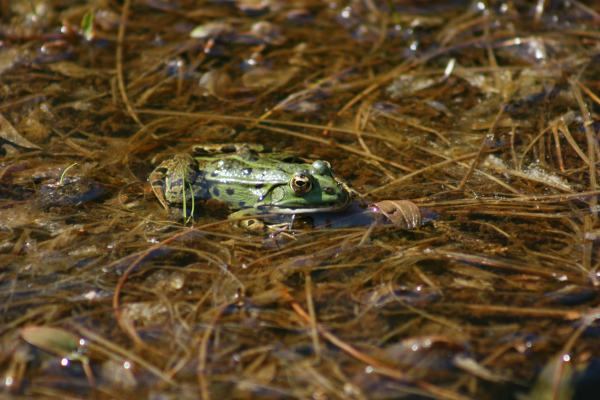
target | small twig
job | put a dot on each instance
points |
(421, 171)
(120, 80)
(236, 118)
(267, 257)
(406, 121)
(513, 152)
(101, 345)
(564, 129)
(481, 151)
(381, 80)
(559, 156)
(362, 117)
(312, 315)
(202, 354)
(341, 146)
(591, 142)
(466, 166)
(568, 315)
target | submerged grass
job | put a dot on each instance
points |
(484, 115)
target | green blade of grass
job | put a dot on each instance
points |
(87, 25)
(62, 177)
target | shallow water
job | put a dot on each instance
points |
(483, 114)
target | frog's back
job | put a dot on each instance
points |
(241, 181)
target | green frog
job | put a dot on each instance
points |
(249, 181)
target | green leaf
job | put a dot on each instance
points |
(87, 25)
(53, 340)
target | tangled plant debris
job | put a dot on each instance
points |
(478, 120)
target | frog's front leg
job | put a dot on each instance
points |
(258, 225)
(249, 224)
(172, 181)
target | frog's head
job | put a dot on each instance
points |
(307, 191)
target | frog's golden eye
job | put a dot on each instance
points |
(300, 184)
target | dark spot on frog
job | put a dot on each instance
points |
(215, 173)
(229, 191)
(247, 171)
(259, 185)
(216, 192)
(157, 183)
(242, 203)
(160, 170)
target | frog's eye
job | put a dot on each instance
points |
(300, 184)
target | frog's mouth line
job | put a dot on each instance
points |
(306, 210)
